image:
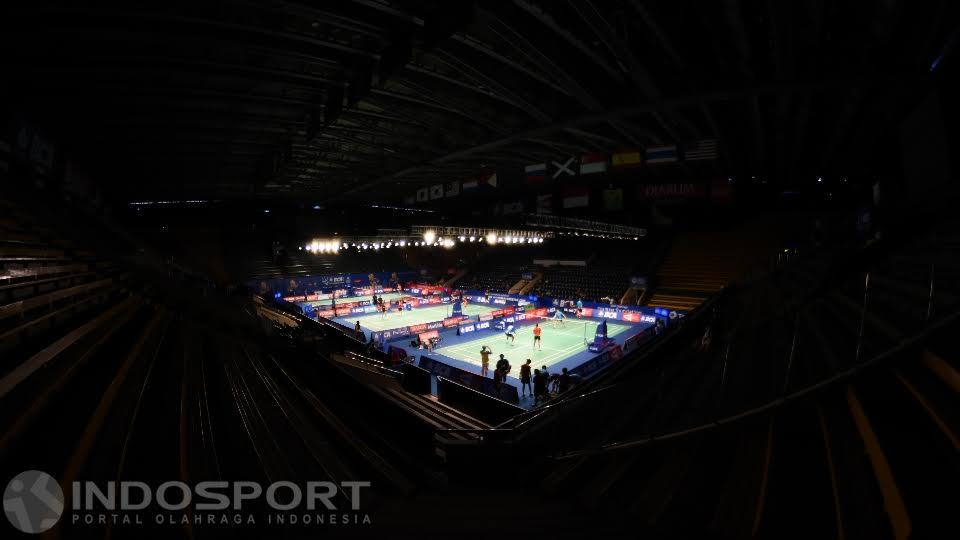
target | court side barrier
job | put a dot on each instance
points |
(484, 385)
(416, 379)
(478, 404)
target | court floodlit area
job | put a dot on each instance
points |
(560, 341)
(377, 322)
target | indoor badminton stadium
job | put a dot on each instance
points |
(480, 269)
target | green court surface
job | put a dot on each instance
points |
(558, 343)
(393, 319)
(386, 297)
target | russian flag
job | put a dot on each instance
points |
(490, 181)
(662, 154)
(536, 172)
(471, 184)
(593, 163)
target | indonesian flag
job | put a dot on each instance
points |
(576, 198)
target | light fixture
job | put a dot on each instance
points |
(429, 236)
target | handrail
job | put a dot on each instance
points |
(773, 404)
(551, 406)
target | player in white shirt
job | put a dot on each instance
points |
(509, 333)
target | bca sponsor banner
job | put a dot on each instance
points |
(472, 327)
(605, 313)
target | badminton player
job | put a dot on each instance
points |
(536, 337)
(558, 317)
(509, 333)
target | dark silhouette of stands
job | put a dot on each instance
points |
(785, 406)
(804, 414)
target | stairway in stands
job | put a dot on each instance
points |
(701, 263)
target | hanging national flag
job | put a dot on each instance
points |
(703, 149)
(626, 158)
(423, 194)
(535, 172)
(613, 199)
(662, 154)
(490, 181)
(453, 189)
(567, 168)
(545, 204)
(436, 191)
(515, 207)
(593, 163)
(576, 198)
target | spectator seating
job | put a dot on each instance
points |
(591, 282)
(784, 409)
(699, 264)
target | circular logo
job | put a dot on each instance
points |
(33, 501)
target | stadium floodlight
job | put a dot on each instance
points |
(463, 238)
(473, 238)
(491, 237)
(429, 236)
(448, 243)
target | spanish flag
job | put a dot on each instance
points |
(626, 159)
